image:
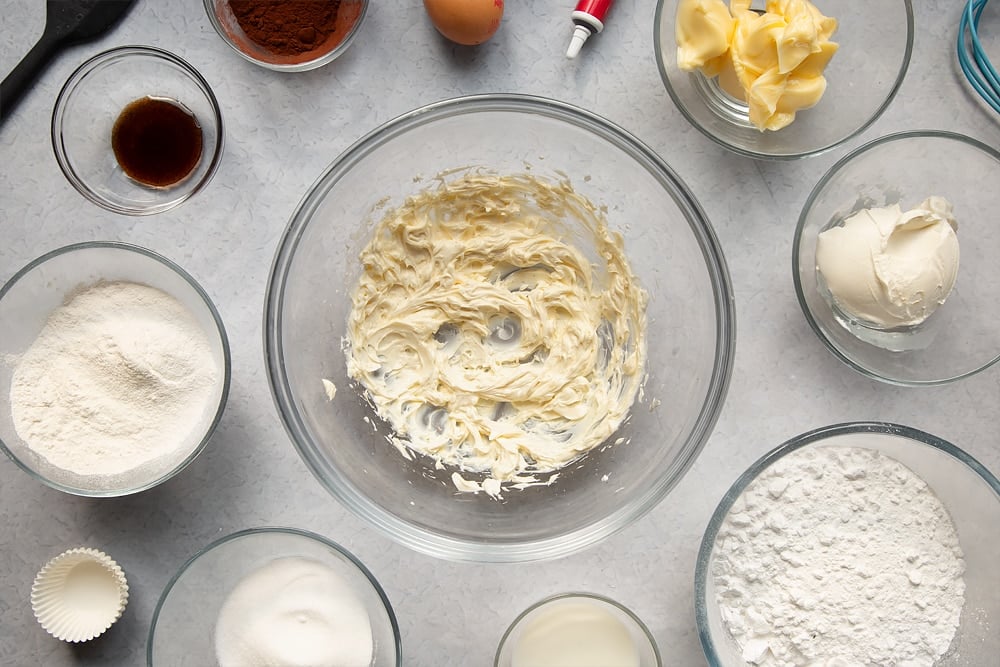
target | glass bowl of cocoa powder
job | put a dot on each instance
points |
(287, 35)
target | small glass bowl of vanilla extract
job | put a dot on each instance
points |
(137, 130)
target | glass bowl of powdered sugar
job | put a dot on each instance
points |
(274, 596)
(854, 544)
(114, 366)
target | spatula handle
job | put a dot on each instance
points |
(22, 77)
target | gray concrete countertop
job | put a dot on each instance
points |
(282, 131)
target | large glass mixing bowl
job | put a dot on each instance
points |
(672, 250)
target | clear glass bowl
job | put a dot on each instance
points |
(182, 632)
(351, 14)
(642, 639)
(30, 296)
(91, 101)
(669, 243)
(968, 491)
(876, 40)
(959, 338)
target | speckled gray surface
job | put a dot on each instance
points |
(282, 130)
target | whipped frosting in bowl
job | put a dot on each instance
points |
(498, 328)
(439, 415)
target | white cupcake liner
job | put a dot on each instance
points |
(79, 594)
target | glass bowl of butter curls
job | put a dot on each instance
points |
(894, 258)
(782, 79)
(861, 543)
(499, 328)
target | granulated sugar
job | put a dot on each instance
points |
(296, 612)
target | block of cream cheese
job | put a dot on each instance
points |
(890, 268)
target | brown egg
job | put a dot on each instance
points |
(468, 22)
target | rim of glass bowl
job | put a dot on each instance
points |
(904, 66)
(315, 63)
(80, 74)
(286, 530)
(797, 240)
(425, 541)
(226, 363)
(579, 594)
(703, 561)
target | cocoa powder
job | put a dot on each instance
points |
(295, 30)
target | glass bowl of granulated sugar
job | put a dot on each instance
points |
(114, 368)
(274, 596)
(854, 544)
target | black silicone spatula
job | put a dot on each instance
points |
(67, 22)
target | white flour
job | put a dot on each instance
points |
(119, 380)
(839, 557)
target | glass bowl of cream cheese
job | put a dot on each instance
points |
(499, 328)
(894, 258)
(782, 79)
(863, 543)
(274, 596)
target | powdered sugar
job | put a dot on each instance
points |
(117, 386)
(839, 556)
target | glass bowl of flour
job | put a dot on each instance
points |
(862, 543)
(499, 328)
(114, 367)
(274, 596)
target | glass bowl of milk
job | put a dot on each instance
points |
(577, 630)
